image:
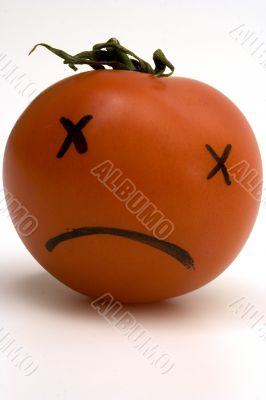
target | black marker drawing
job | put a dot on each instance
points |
(75, 135)
(220, 162)
(173, 250)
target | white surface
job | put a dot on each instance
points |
(216, 352)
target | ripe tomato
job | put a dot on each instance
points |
(129, 178)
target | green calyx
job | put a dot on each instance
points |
(114, 55)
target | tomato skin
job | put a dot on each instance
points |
(155, 131)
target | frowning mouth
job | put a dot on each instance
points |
(171, 249)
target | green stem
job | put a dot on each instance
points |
(115, 56)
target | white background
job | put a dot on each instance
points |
(80, 356)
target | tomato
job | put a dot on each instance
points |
(128, 176)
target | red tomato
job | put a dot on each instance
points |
(128, 177)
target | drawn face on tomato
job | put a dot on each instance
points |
(135, 183)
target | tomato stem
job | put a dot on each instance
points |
(114, 55)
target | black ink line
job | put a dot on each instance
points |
(174, 251)
(220, 162)
(74, 135)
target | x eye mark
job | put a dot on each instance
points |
(75, 135)
(220, 163)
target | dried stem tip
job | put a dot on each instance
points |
(115, 56)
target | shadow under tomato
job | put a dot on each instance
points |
(204, 308)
